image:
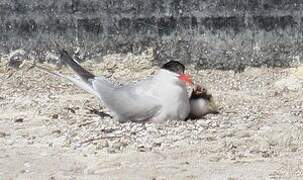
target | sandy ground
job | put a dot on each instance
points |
(50, 129)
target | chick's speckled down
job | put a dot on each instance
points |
(201, 103)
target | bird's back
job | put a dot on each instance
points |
(132, 102)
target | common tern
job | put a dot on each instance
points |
(159, 97)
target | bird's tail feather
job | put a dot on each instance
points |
(78, 82)
(74, 65)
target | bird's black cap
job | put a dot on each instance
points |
(174, 66)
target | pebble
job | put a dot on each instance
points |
(3, 134)
(19, 120)
(214, 158)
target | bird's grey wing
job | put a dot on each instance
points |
(128, 102)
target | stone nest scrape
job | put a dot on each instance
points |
(260, 113)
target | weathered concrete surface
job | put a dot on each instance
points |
(210, 33)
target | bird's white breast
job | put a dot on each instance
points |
(172, 96)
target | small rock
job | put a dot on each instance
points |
(16, 58)
(112, 150)
(142, 148)
(55, 116)
(3, 134)
(210, 138)
(23, 171)
(294, 149)
(71, 110)
(19, 120)
(57, 131)
(158, 178)
(265, 155)
(214, 159)
(157, 144)
(52, 178)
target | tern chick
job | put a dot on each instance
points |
(201, 103)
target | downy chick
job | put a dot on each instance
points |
(201, 103)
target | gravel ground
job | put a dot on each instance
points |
(50, 129)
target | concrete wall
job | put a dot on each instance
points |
(224, 34)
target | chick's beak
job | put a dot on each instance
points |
(186, 78)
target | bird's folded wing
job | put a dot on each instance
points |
(127, 102)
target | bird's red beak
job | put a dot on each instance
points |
(186, 78)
